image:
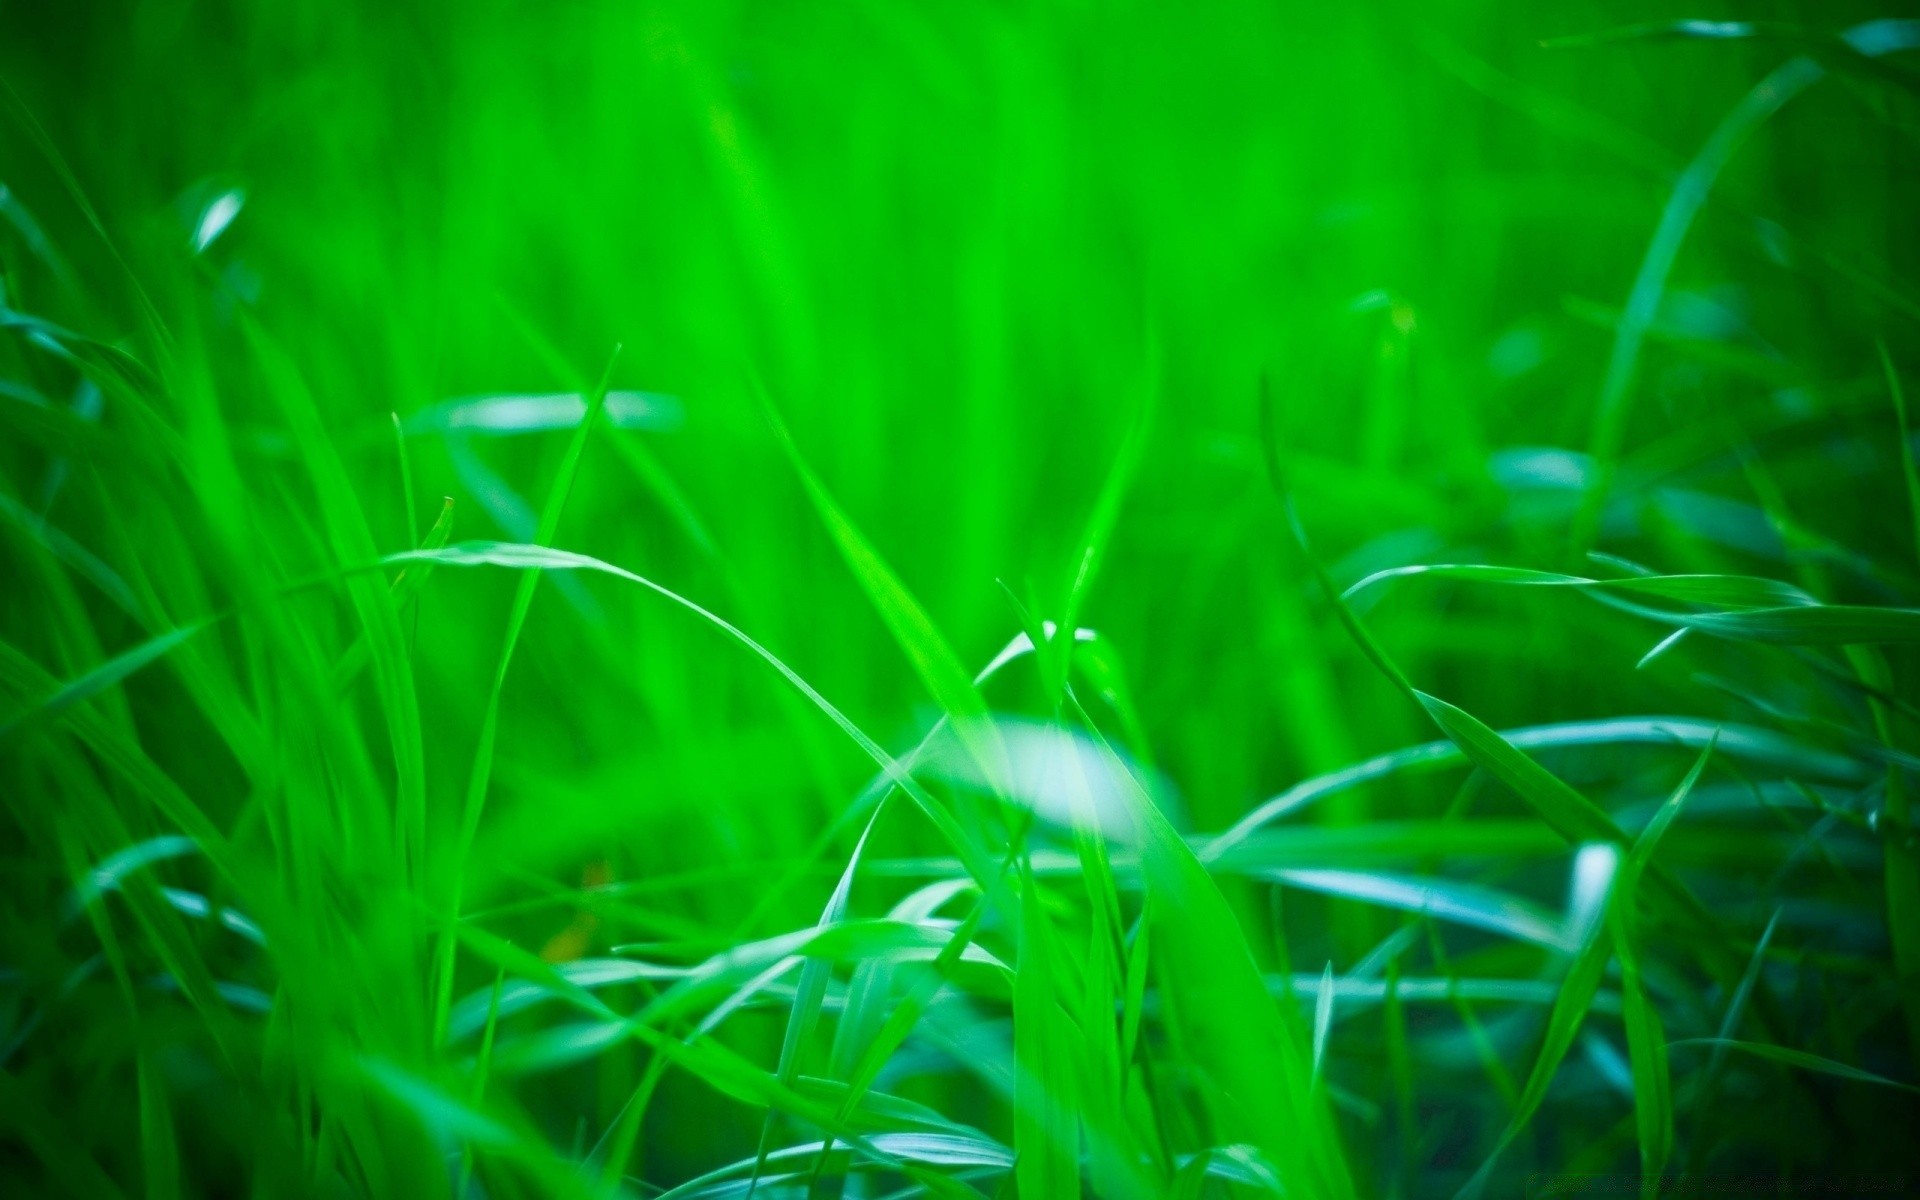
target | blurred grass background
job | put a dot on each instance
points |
(963, 250)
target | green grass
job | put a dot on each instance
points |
(1002, 600)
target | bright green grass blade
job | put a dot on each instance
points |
(451, 1119)
(108, 873)
(71, 183)
(406, 482)
(1113, 1161)
(1900, 869)
(1575, 817)
(437, 1109)
(721, 1069)
(877, 790)
(1812, 625)
(406, 583)
(1046, 1136)
(351, 542)
(904, 1151)
(628, 444)
(1138, 965)
(1663, 819)
(1212, 992)
(1661, 647)
(633, 451)
(623, 1135)
(1705, 1113)
(865, 1019)
(957, 234)
(1248, 1049)
(1102, 520)
(1101, 668)
(913, 631)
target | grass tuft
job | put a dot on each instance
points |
(1051, 816)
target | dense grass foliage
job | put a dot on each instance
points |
(1037, 599)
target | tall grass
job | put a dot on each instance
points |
(865, 600)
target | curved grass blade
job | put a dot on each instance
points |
(952, 688)
(523, 557)
(1738, 741)
(1482, 907)
(1769, 611)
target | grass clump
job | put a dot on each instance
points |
(708, 600)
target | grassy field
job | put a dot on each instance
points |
(1020, 599)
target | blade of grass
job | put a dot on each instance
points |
(1046, 1130)
(809, 999)
(1577, 992)
(1215, 1002)
(913, 631)
(516, 556)
(481, 772)
(1643, 302)
(1803, 1061)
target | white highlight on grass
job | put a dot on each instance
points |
(1063, 776)
(506, 415)
(216, 216)
(1593, 870)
